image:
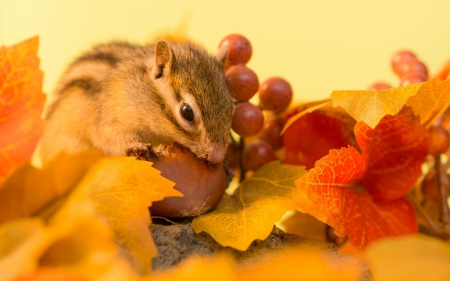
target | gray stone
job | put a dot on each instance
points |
(179, 241)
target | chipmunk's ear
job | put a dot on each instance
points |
(222, 53)
(163, 59)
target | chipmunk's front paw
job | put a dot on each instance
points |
(142, 149)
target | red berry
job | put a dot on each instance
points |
(379, 86)
(240, 50)
(275, 94)
(411, 65)
(242, 82)
(399, 57)
(256, 154)
(439, 140)
(271, 132)
(248, 119)
(412, 78)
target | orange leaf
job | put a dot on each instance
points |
(429, 100)
(395, 151)
(329, 193)
(361, 195)
(311, 137)
(21, 104)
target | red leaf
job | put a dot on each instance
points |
(334, 191)
(21, 104)
(328, 192)
(395, 151)
(313, 135)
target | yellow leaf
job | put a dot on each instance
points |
(429, 100)
(21, 242)
(81, 247)
(254, 208)
(300, 262)
(108, 207)
(29, 190)
(121, 190)
(372, 106)
(217, 268)
(303, 262)
(412, 258)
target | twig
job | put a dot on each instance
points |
(444, 211)
(241, 164)
(433, 227)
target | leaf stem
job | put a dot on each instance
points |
(442, 182)
(433, 227)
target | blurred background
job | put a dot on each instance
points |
(318, 46)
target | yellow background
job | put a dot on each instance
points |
(318, 46)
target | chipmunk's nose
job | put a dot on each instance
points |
(217, 154)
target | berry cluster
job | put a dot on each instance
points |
(275, 95)
(408, 68)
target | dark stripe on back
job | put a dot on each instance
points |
(100, 57)
(87, 84)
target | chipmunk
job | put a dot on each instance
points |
(123, 99)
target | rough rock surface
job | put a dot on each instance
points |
(177, 242)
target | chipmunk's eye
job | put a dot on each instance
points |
(186, 112)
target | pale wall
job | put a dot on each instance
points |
(319, 46)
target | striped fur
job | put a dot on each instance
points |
(116, 96)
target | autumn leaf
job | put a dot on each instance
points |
(112, 198)
(302, 110)
(413, 258)
(287, 263)
(29, 191)
(394, 152)
(81, 248)
(120, 190)
(217, 268)
(431, 101)
(255, 207)
(311, 136)
(428, 100)
(21, 104)
(335, 190)
(444, 72)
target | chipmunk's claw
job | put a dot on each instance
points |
(142, 150)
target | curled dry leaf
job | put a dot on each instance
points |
(255, 207)
(428, 100)
(21, 104)
(358, 194)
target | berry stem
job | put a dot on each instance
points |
(241, 164)
(444, 211)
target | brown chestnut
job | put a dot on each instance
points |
(201, 183)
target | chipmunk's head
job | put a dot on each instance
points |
(196, 100)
